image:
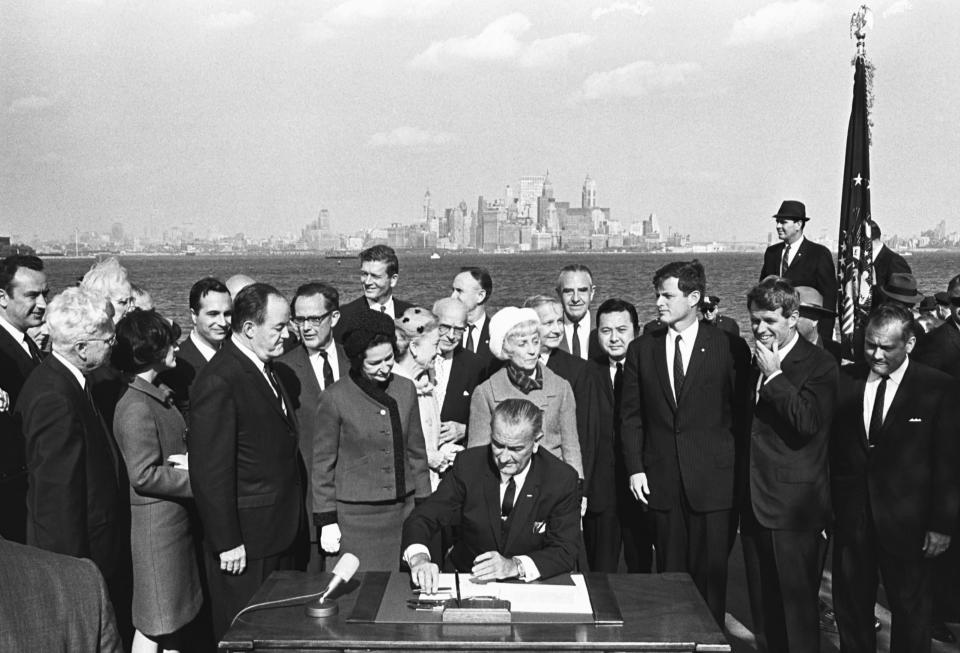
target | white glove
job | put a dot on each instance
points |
(330, 538)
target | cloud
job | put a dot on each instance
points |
(500, 41)
(353, 13)
(640, 8)
(637, 79)
(228, 21)
(407, 136)
(898, 7)
(29, 104)
(777, 21)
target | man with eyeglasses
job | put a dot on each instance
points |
(77, 497)
(311, 367)
(457, 370)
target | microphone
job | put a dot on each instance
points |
(342, 573)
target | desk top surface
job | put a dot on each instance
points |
(661, 612)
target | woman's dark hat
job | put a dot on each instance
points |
(792, 210)
(363, 328)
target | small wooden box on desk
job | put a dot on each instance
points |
(661, 612)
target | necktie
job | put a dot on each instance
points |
(677, 369)
(617, 390)
(876, 416)
(34, 350)
(508, 498)
(575, 341)
(271, 377)
(327, 370)
(785, 261)
(471, 345)
(383, 308)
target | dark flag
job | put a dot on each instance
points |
(855, 251)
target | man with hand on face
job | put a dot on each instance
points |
(457, 370)
(474, 287)
(682, 408)
(210, 310)
(312, 366)
(517, 507)
(893, 467)
(244, 467)
(614, 516)
(575, 289)
(379, 273)
(787, 498)
(23, 303)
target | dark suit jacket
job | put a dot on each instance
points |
(354, 458)
(297, 376)
(243, 458)
(886, 263)
(789, 441)
(940, 349)
(77, 498)
(689, 443)
(348, 312)
(812, 266)
(189, 363)
(727, 324)
(51, 602)
(466, 373)
(469, 497)
(580, 374)
(15, 367)
(910, 477)
(603, 489)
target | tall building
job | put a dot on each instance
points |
(589, 197)
(531, 186)
(546, 209)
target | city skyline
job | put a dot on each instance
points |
(251, 116)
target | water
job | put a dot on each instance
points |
(423, 281)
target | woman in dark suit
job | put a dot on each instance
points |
(369, 458)
(150, 433)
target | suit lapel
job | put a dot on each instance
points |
(24, 363)
(799, 255)
(342, 361)
(899, 400)
(660, 362)
(861, 429)
(699, 352)
(260, 382)
(491, 492)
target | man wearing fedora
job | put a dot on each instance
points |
(801, 261)
(885, 261)
(901, 289)
(812, 311)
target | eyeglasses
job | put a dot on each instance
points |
(314, 320)
(109, 342)
(447, 328)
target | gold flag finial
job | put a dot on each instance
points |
(860, 23)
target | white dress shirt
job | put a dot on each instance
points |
(477, 330)
(316, 362)
(376, 306)
(18, 335)
(870, 392)
(202, 346)
(583, 334)
(531, 572)
(442, 366)
(687, 339)
(792, 254)
(613, 369)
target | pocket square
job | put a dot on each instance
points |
(915, 419)
(466, 394)
(539, 527)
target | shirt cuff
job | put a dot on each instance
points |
(772, 377)
(529, 568)
(413, 550)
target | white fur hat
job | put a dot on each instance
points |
(504, 320)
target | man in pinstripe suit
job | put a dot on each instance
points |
(683, 404)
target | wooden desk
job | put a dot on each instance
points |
(661, 613)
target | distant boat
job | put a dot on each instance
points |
(906, 253)
(434, 257)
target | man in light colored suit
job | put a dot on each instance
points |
(310, 368)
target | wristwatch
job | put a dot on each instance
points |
(521, 572)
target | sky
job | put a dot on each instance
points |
(253, 115)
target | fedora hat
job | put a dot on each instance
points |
(811, 303)
(792, 210)
(902, 287)
(928, 303)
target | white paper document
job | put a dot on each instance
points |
(523, 597)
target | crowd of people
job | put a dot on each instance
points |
(539, 439)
